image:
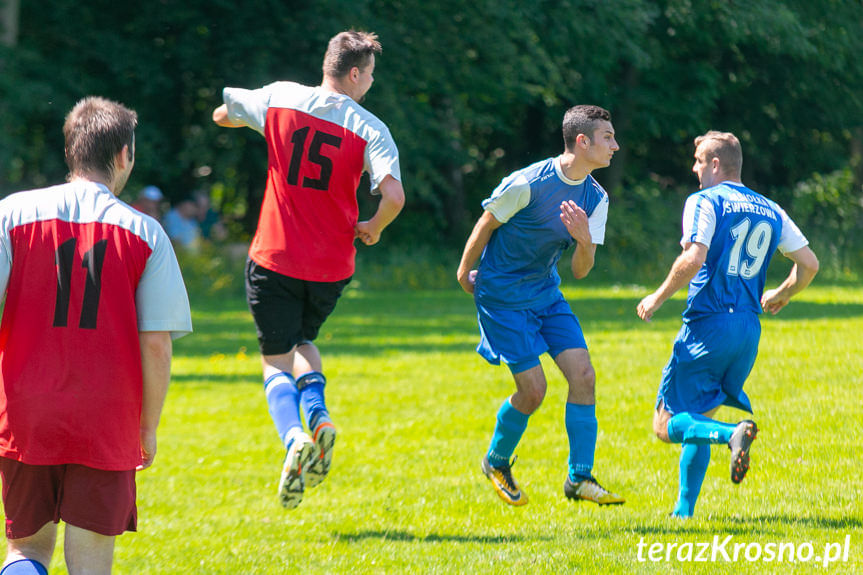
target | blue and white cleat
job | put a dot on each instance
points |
(325, 439)
(301, 453)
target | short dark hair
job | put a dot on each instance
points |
(349, 49)
(582, 120)
(726, 147)
(96, 130)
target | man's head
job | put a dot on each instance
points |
(350, 61)
(187, 208)
(718, 157)
(100, 141)
(587, 130)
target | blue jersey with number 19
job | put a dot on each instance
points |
(742, 230)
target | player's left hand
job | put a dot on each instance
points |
(148, 449)
(774, 300)
(367, 233)
(575, 220)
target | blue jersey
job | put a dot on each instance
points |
(518, 268)
(742, 230)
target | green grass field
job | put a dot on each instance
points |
(415, 407)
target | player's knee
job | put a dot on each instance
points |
(587, 381)
(660, 428)
(582, 388)
(533, 397)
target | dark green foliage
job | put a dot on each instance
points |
(470, 90)
(831, 207)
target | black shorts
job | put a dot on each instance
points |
(288, 311)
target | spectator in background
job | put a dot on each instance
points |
(150, 202)
(181, 224)
(209, 220)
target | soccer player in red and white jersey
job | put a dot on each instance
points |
(320, 141)
(94, 297)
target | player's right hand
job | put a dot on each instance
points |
(647, 307)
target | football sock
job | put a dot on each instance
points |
(311, 387)
(283, 401)
(511, 424)
(24, 567)
(694, 428)
(693, 466)
(581, 428)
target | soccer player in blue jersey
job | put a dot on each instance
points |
(730, 234)
(531, 218)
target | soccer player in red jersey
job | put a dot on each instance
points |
(320, 141)
(94, 297)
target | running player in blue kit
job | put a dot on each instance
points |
(730, 234)
(530, 219)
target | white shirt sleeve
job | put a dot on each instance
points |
(596, 221)
(699, 220)
(248, 107)
(382, 158)
(792, 239)
(5, 262)
(510, 196)
(161, 299)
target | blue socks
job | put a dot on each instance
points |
(693, 466)
(24, 567)
(696, 432)
(311, 387)
(695, 428)
(581, 428)
(283, 401)
(511, 424)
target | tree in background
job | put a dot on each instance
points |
(471, 91)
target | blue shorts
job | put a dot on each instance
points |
(711, 359)
(517, 337)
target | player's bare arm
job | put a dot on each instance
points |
(576, 222)
(801, 275)
(156, 349)
(392, 202)
(682, 271)
(582, 260)
(476, 243)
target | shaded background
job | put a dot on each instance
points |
(471, 91)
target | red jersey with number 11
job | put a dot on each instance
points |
(83, 273)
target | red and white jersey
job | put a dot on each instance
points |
(83, 273)
(319, 143)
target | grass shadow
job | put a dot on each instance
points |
(404, 536)
(736, 525)
(835, 523)
(379, 323)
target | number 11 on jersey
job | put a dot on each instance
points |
(92, 261)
